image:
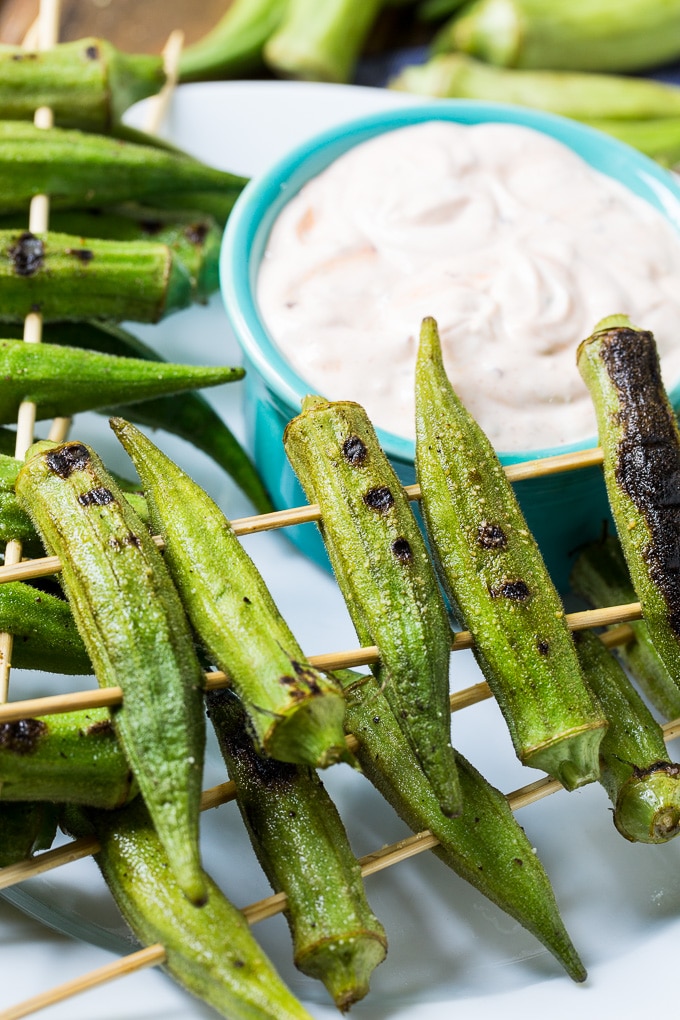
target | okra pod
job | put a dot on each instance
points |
(77, 169)
(133, 626)
(66, 380)
(583, 35)
(301, 843)
(208, 950)
(640, 442)
(88, 84)
(384, 572)
(641, 781)
(45, 634)
(294, 712)
(24, 829)
(498, 583)
(485, 846)
(234, 45)
(601, 577)
(69, 758)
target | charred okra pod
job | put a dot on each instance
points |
(382, 567)
(234, 45)
(68, 758)
(486, 846)
(79, 170)
(498, 583)
(88, 84)
(641, 781)
(45, 634)
(294, 712)
(133, 626)
(601, 577)
(640, 442)
(66, 380)
(209, 950)
(301, 843)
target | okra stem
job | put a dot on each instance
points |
(498, 583)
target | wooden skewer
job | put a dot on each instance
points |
(158, 105)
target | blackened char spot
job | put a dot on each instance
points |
(22, 736)
(101, 726)
(66, 459)
(92, 52)
(516, 590)
(83, 255)
(491, 536)
(648, 456)
(96, 497)
(27, 255)
(401, 548)
(132, 539)
(379, 499)
(543, 646)
(196, 233)
(354, 451)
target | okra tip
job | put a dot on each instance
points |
(345, 966)
(648, 805)
(313, 734)
(574, 758)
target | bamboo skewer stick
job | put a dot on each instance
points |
(158, 105)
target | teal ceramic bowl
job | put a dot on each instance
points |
(563, 510)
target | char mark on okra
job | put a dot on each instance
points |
(66, 459)
(27, 254)
(22, 736)
(96, 497)
(354, 451)
(379, 499)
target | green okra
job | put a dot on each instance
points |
(66, 380)
(584, 35)
(320, 42)
(45, 634)
(499, 586)
(640, 442)
(63, 277)
(88, 84)
(294, 711)
(25, 828)
(485, 846)
(209, 950)
(234, 45)
(133, 626)
(78, 169)
(657, 137)
(384, 572)
(641, 781)
(68, 758)
(601, 577)
(301, 843)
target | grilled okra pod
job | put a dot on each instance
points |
(601, 577)
(641, 781)
(234, 45)
(383, 569)
(45, 634)
(294, 712)
(209, 950)
(79, 170)
(66, 380)
(68, 758)
(301, 843)
(133, 626)
(498, 583)
(640, 442)
(485, 846)
(24, 829)
(88, 84)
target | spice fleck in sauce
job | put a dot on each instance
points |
(511, 241)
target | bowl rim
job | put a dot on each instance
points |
(264, 196)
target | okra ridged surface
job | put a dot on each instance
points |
(498, 583)
(383, 569)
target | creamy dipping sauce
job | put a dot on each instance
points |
(513, 243)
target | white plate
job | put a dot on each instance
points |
(450, 951)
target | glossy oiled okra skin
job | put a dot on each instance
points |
(133, 626)
(383, 569)
(486, 846)
(640, 442)
(301, 843)
(209, 950)
(294, 711)
(498, 583)
(641, 781)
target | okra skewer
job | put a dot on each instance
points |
(485, 846)
(294, 711)
(601, 577)
(499, 586)
(209, 950)
(134, 628)
(383, 569)
(641, 781)
(640, 442)
(87, 84)
(301, 843)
